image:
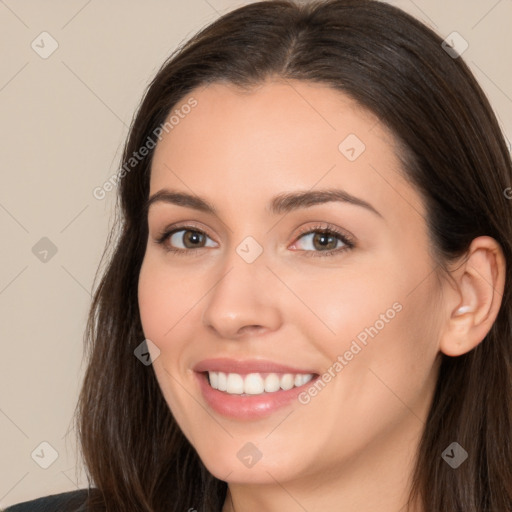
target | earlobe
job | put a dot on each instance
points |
(472, 307)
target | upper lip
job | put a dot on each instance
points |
(246, 366)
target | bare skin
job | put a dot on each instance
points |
(351, 446)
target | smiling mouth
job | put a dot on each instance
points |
(253, 384)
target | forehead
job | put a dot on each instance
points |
(277, 136)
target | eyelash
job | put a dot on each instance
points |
(325, 229)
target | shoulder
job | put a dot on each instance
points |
(63, 502)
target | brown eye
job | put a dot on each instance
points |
(190, 239)
(184, 240)
(323, 241)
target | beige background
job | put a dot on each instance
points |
(63, 122)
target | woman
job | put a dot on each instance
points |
(314, 254)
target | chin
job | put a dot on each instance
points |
(244, 463)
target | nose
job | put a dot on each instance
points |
(243, 302)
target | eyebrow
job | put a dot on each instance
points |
(279, 204)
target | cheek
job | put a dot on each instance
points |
(165, 297)
(153, 301)
(166, 305)
(393, 374)
(337, 305)
(382, 320)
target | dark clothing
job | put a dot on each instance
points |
(73, 501)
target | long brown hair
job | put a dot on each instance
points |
(453, 153)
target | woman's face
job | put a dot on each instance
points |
(259, 296)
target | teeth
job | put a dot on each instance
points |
(235, 384)
(255, 383)
(287, 381)
(221, 382)
(307, 378)
(272, 383)
(214, 380)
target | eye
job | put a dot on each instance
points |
(184, 239)
(325, 241)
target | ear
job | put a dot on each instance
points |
(473, 304)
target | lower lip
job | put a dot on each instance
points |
(247, 407)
